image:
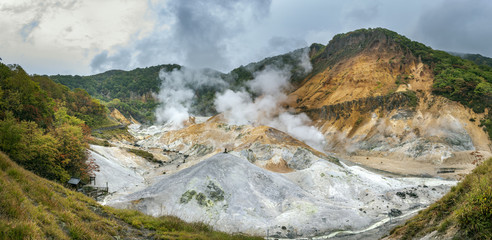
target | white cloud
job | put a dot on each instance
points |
(68, 33)
(64, 36)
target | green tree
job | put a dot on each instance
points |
(71, 142)
(10, 134)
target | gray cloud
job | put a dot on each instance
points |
(36, 9)
(362, 14)
(458, 25)
(103, 61)
(200, 31)
(225, 34)
(283, 44)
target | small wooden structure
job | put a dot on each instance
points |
(446, 170)
(89, 190)
(92, 180)
(74, 183)
(94, 192)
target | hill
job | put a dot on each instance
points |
(378, 96)
(44, 126)
(34, 208)
(131, 92)
(398, 61)
(476, 58)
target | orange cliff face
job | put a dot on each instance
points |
(372, 99)
(373, 71)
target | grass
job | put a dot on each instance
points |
(32, 207)
(118, 133)
(144, 154)
(100, 142)
(465, 212)
(169, 227)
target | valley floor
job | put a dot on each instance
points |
(232, 193)
(455, 167)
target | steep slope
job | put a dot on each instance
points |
(35, 208)
(463, 213)
(359, 65)
(377, 97)
(44, 126)
(32, 207)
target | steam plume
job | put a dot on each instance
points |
(178, 90)
(238, 107)
(271, 84)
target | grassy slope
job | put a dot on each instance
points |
(464, 213)
(35, 208)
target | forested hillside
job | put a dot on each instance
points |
(476, 58)
(44, 126)
(131, 92)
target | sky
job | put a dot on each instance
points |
(83, 37)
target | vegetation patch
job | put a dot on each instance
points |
(187, 196)
(201, 150)
(413, 100)
(403, 79)
(144, 154)
(170, 227)
(212, 195)
(215, 192)
(100, 142)
(45, 126)
(118, 133)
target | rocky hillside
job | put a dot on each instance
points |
(377, 96)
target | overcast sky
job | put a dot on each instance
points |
(90, 36)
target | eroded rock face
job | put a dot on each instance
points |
(374, 102)
(426, 135)
(362, 106)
